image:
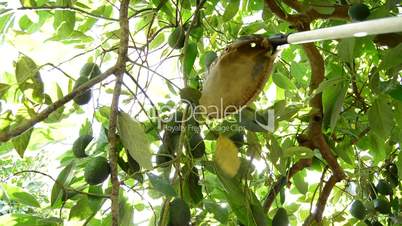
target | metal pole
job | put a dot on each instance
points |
(357, 29)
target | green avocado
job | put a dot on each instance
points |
(238, 139)
(382, 205)
(85, 97)
(90, 70)
(97, 170)
(383, 187)
(176, 38)
(163, 156)
(80, 144)
(197, 146)
(134, 166)
(179, 213)
(280, 218)
(359, 12)
(358, 210)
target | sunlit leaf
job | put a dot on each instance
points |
(21, 142)
(300, 182)
(226, 156)
(231, 10)
(17, 194)
(160, 184)
(63, 180)
(134, 140)
(380, 117)
(189, 57)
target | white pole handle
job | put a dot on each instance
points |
(358, 29)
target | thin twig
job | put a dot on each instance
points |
(67, 8)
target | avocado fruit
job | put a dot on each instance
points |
(97, 170)
(358, 210)
(238, 139)
(86, 96)
(90, 70)
(383, 187)
(197, 146)
(80, 144)
(179, 213)
(382, 205)
(281, 218)
(177, 37)
(163, 156)
(359, 12)
(133, 165)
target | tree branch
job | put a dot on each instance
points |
(322, 200)
(120, 69)
(63, 187)
(68, 8)
(340, 12)
(314, 136)
(29, 123)
(276, 188)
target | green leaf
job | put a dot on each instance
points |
(161, 185)
(346, 49)
(28, 76)
(81, 210)
(299, 152)
(126, 213)
(17, 194)
(17, 219)
(337, 105)
(300, 182)
(392, 58)
(333, 98)
(3, 89)
(189, 57)
(380, 117)
(21, 142)
(157, 41)
(6, 22)
(399, 165)
(134, 140)
(95, 203)
(283, 82)
(395, 93)
(231, 10)
(63, 180)
(28, 3)
(86, 128)
(219, 212)
(241, 200)
(25, 22)
(209, 57)
(64, 20)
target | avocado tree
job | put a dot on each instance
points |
(99, 127)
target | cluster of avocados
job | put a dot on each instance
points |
(195, 146)
(379, 201)
(97, 169)
(359, 12)
(88, 72)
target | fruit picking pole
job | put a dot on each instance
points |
(357, 29)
